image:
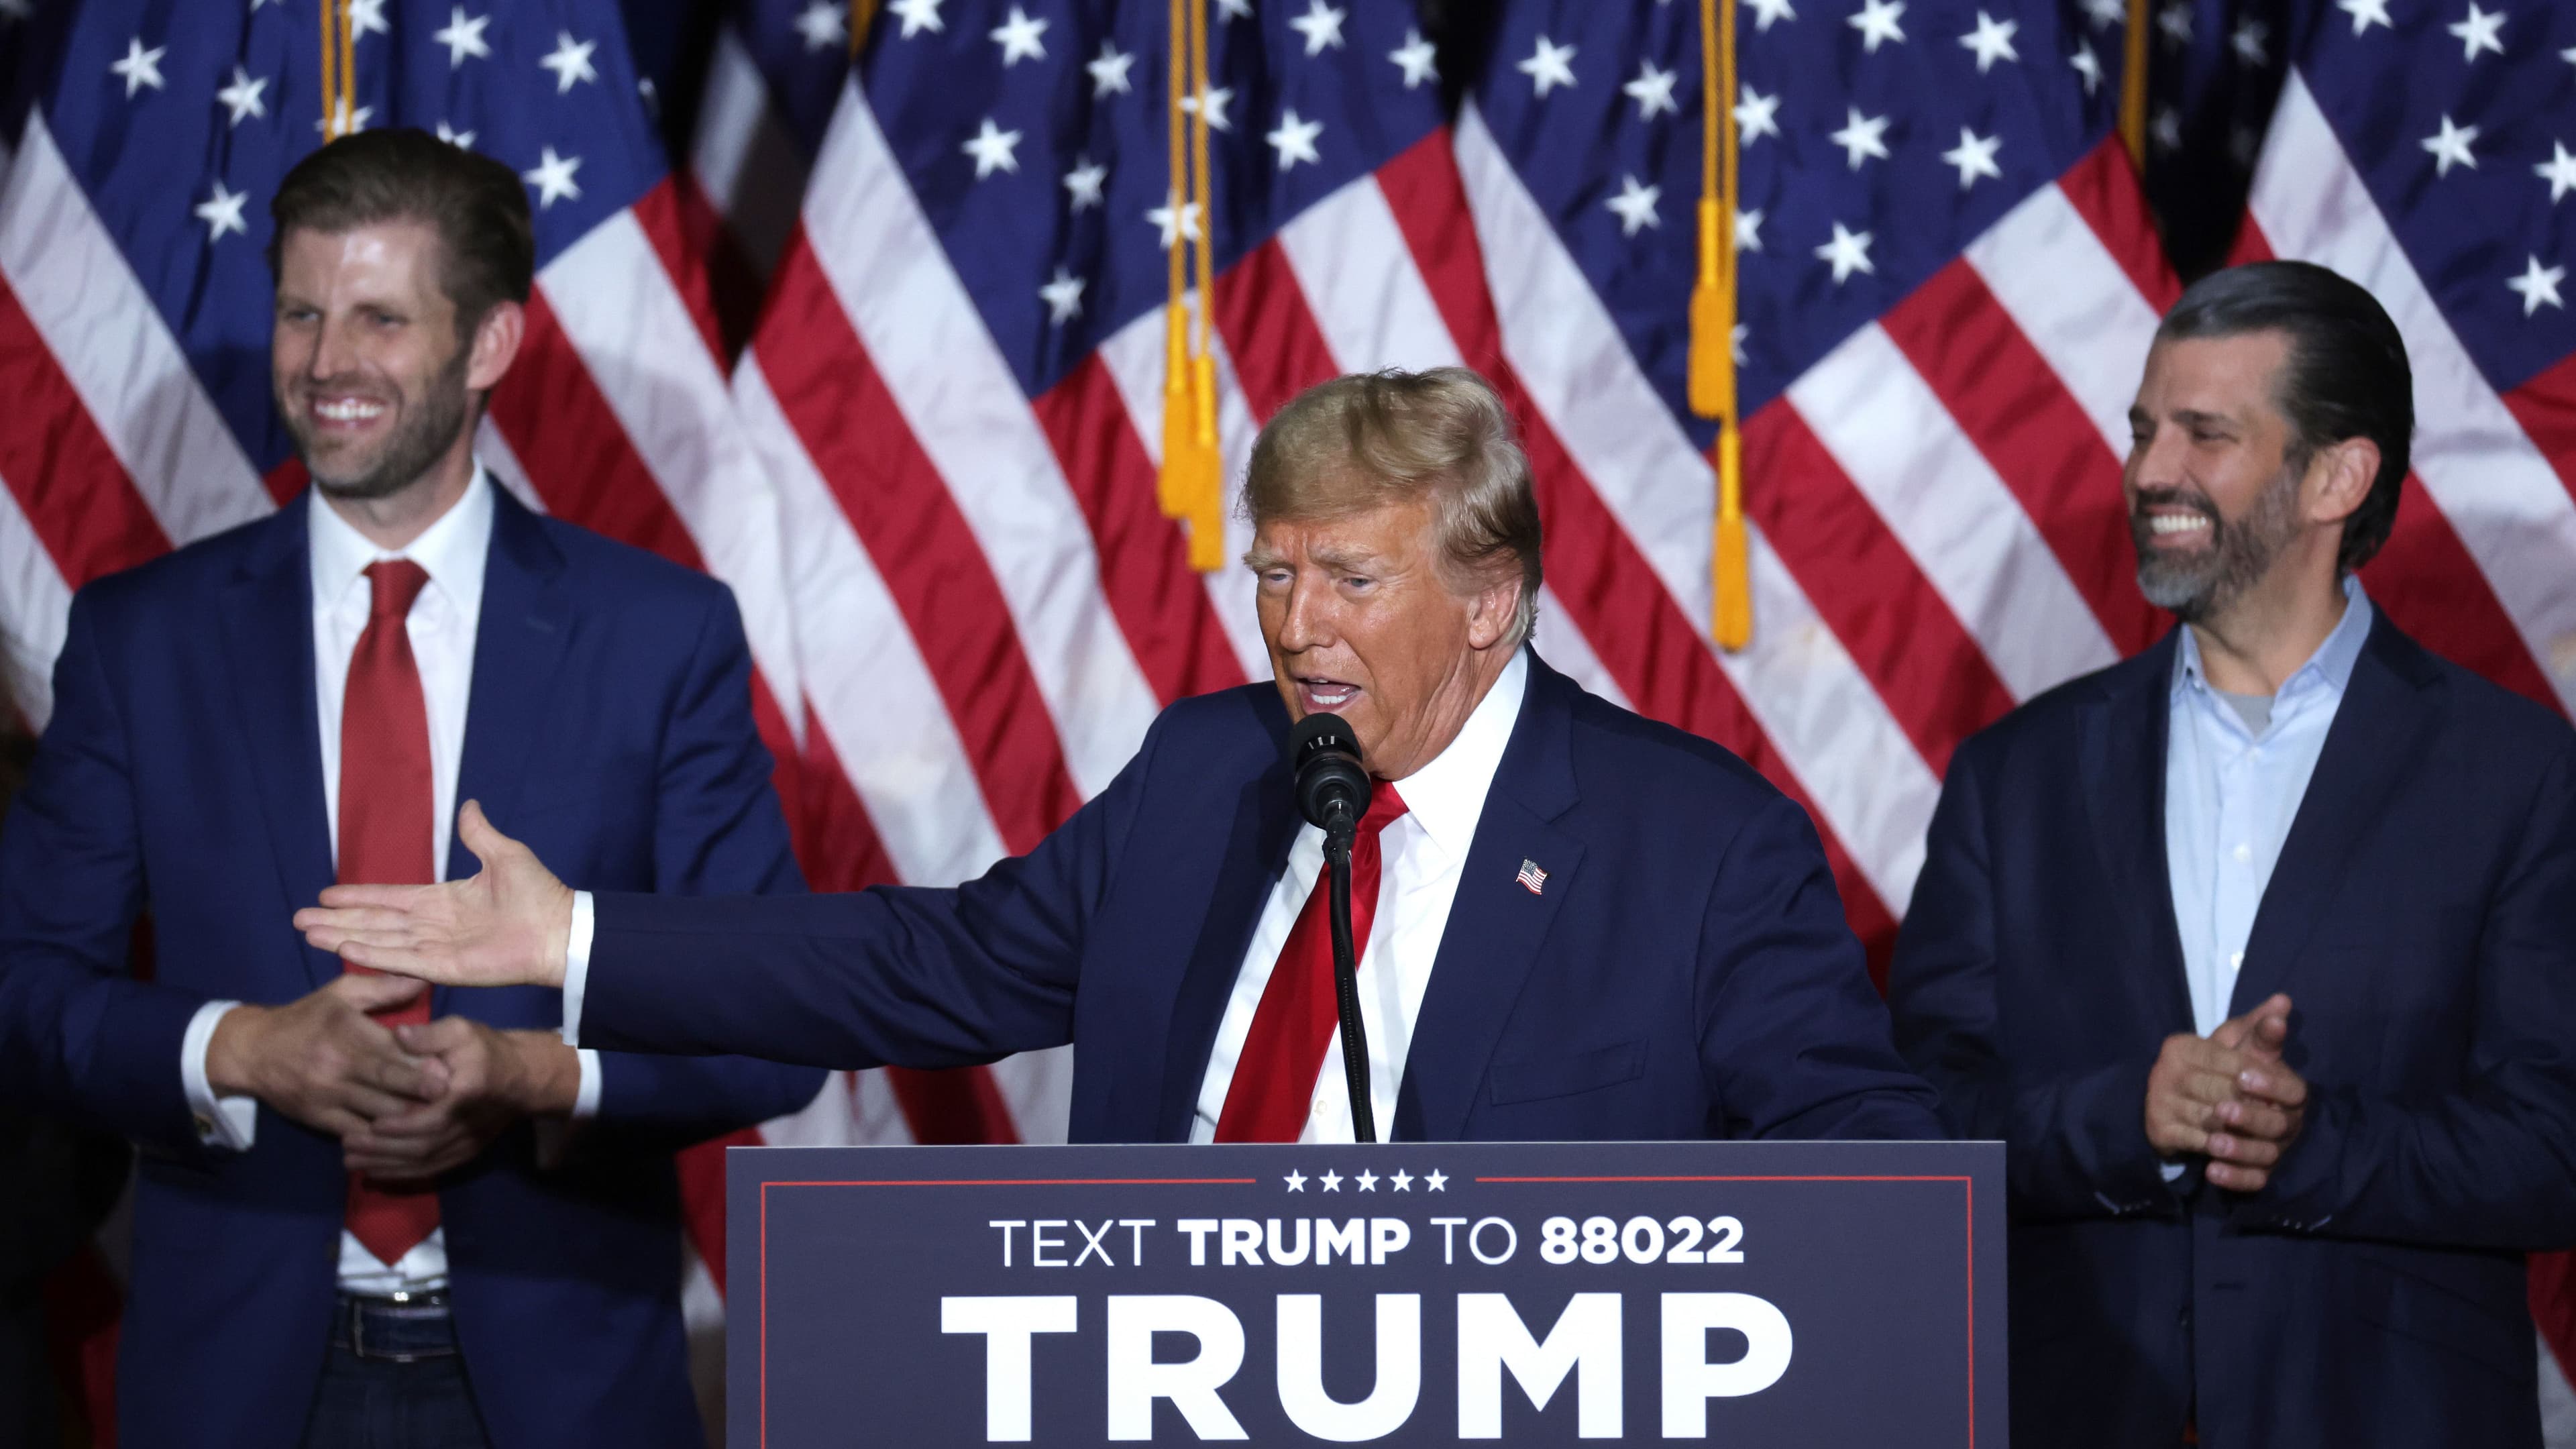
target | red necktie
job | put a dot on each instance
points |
(1274, 1079)
(387, 835)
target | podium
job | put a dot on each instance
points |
(1742, 1293)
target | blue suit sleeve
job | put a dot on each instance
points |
(1794, 1040)
(718, 830)
(2492, 1162)
(2075, 1146)
(899, 976)
(77, 1033)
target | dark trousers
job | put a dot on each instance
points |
(394, 1381)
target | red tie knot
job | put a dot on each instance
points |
(397, 581)
(1385, 808)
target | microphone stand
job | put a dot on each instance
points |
(1346, 983)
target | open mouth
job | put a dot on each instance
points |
(1326, 695)
(346, 413)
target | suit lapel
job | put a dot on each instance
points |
(2382, 723)
(2124, 761)
(268, 642)
(1265, 826)
(1496, 926)
(526, 622)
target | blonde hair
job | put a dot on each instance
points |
(1370, 439)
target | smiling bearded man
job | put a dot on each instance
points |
(1577, 924)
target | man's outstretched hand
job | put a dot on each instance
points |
(506, 925)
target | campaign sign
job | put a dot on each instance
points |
(1800, 1293)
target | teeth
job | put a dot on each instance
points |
(2177, 523)
(1330, 698)
(348, 412)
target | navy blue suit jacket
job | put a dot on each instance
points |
(2422, 918)
(609, 727)
(1684, 972)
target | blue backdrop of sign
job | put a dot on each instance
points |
(1538, 1293)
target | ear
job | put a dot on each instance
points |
(1490, 611)
(496, 345)
(2339, 479)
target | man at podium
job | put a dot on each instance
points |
(1572, 923)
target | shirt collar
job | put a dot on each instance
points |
(1448, 795)
(2329, 668)
(452, 550)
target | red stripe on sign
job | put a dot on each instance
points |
(84, 508)
(899, 506)
(1659, 658)
(2546, 408)
(577, 454)
(1161, 607)
(1921, 660)
(707, 267)
(1270, 331)
(2009, 402)
(2426, 580)
(2104, 189)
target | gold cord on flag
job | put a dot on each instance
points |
(862, 14)
(1190, 486)
(1712, 326)
(335, 73)
(1207, 511)
(2133, 85)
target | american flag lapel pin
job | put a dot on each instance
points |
(1532, 877)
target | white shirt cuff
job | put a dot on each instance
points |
(585, 1102)
(231, 1123)
(577, 976)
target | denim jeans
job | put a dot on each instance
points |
(377, 1400)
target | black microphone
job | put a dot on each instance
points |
(1332, 793)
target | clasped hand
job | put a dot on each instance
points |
(2230, 1096)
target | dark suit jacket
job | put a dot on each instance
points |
(609, 727)
(1684, 971)
(2422, 918)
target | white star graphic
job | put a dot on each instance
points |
(2478, 31)
(570, 61)
(367, 17)
(1218, 99)
(1321, 25)
(2451, 146)
(1766, 11)
(917, 16)
(1367, 1180)
(462, 140)
(2106, 13)
(1188, 224)
(242, 97)
(1435, 1181)
(2175, 21)
(1847, 252)
(1653, 90)
(2538, 285)
(1331, 1180)
(1296, 1182)
(1876, 21)
(1233, 10)
(1083, 181)
(1547, 67)
(1402, 1180)
(1748, 230)
(222, 212)
(823, 24)
(2166, 129)
(2568, 55)
(2248, 42)
(1635, 206)
(993, 149)
(1419, 57)
(1974, 157)
(1861, 136)
(2559, 171)
(344, 122)
(1109, 70)
(2365, 13)
(141, 67)
(1756, 116)
(1295, 140)
(1063, 297)
(2087, 65)
(1992, 41)
(1019, 38)
(553, 178)
(463, 36)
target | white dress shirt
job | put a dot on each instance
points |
(441, 626)
(1422, 856)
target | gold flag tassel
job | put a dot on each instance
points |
(1173, 485)
(1712, 327)
(1207, 503)
(338, 80)
(2133, 85)
(863, 13)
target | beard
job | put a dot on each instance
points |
(2203, 583)
(425, 429)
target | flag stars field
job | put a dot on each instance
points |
(222, 212)
(1548, 67)
(1878, 21)
(553, 178)
(1635, 206)
(2479, 30)
(243, 97)
(1294, 140)
(1862, 137)
(2450, 146)
(1321, 26)
(2537, 286)
(1756, 116)
(570, 61)
(1418, 58)
(917, 16)
(463, 37)
(994, 149)
(1084, 181)
(1992, 41)
(1109, 70)
(822, 25)
(1020, 38)
(141, 68)
(1653, 91)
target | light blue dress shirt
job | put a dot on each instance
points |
(2231, 793)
